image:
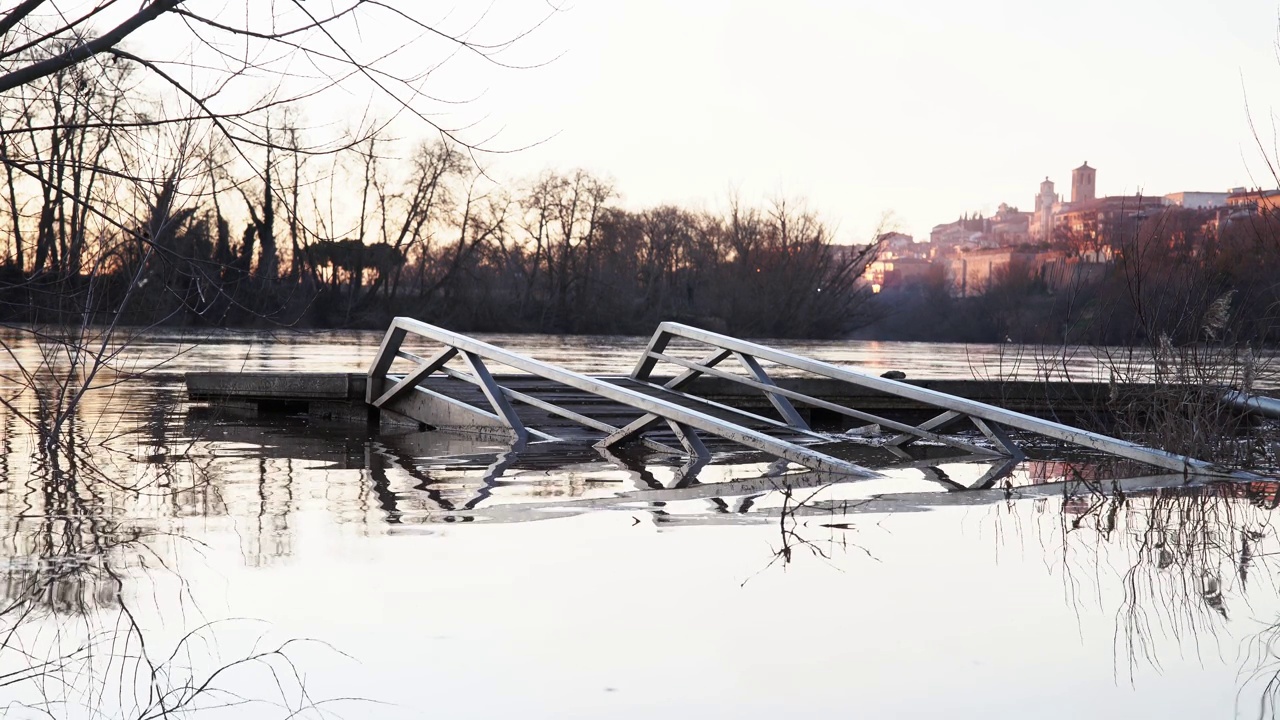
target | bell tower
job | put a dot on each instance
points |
(1043, 218)
(1083, 183)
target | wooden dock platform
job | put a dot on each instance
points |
(341, 396)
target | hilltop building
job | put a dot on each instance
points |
(1059, 243)
(1091, 224)
(900, 245)
(900, 260)
(1042, 219)
(1259, 200)
(1083, 184)
(897, 272)
(973, 273)
(1084, 231)
(1088, 223)
(1197, 200)
(965, 233)
(1009, 226)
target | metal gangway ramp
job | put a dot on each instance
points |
(614, 411)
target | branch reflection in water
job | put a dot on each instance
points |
(96, 618)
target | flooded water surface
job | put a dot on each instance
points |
(174, 559)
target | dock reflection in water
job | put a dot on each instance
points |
(418, 477)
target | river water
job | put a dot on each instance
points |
(162, 554)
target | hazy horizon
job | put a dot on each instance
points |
(925, 112)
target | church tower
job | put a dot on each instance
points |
(1043, 218)
(1083, 183)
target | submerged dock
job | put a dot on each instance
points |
(724, 399)
(341, 396)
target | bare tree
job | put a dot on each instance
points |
(122, 126)
(225, 49)
(563, 218)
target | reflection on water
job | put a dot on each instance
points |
(470, 581)
(178, 351)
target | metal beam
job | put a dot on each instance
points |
(641, 424)
(558, 411)
(657, 344)
(382, 361)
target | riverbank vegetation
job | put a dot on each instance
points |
(113, 213)
(355, 239)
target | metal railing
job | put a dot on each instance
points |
(989, 419)
(405, 393)
(671, 405)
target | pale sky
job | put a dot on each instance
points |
(925, 109)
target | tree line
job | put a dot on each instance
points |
(218, 236)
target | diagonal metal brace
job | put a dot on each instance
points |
(780, 403)
(1000, 437)
(497, 398)
(643, 423)
(688, 437)
(413, 379)
(930, 425)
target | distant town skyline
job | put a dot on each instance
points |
(925, 111)
(1069, 241)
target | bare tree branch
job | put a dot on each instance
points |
(85, 50)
